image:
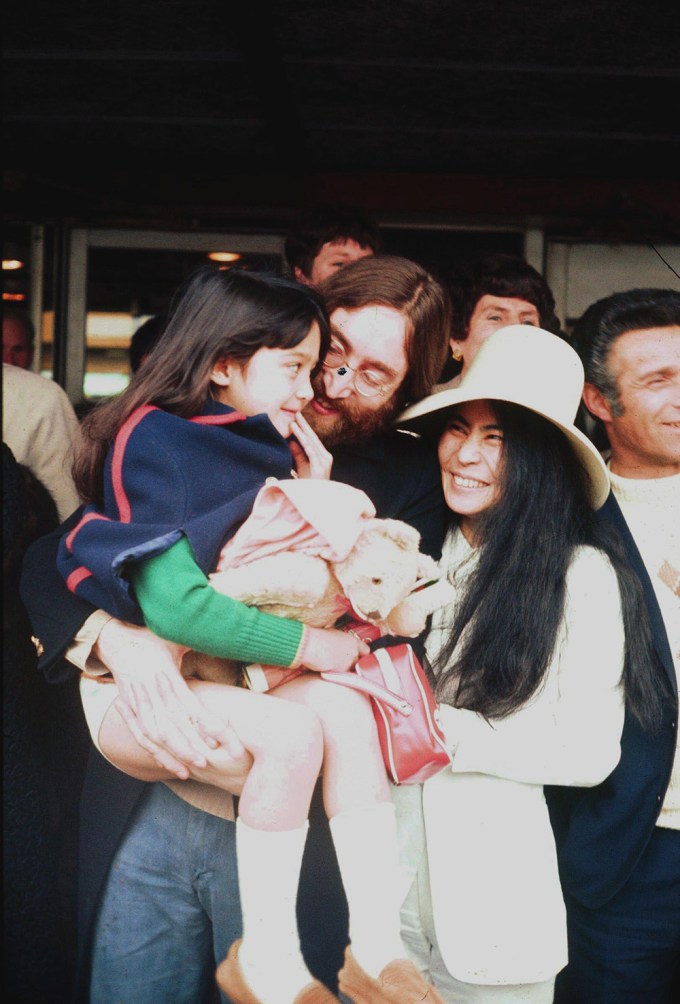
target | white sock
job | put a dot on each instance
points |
(366, 845)
(269, 864)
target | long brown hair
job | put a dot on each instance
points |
(217, 314)
(391, 281)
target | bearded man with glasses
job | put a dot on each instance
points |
(389, 320)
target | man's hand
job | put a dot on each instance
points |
(312, 459)
(228, 765)
(160, 709)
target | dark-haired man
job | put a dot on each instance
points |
(325, 238)
(157, 870)
(618, 844)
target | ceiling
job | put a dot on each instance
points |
(197, 112)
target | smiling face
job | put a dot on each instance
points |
(470, 451)
(275, 382)
(491, 313)
(373, 340)
(645, 434)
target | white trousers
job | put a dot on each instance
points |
(420, 940)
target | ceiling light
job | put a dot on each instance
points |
(224, 256)
(10, 264)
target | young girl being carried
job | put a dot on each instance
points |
(170, 469)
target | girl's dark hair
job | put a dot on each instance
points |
(215, 314)
(514, 599)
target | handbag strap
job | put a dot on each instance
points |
(356, 682)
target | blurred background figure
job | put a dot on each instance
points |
(328, 237)
(144, 339)
(18, 338)
(39, 425)
(44, 745)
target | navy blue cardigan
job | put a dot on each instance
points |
(166, 477)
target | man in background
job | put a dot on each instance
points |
(144, 340)
(18, 338)
(325, 238)
(618, 844)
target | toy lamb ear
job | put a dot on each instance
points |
(428, 568)
(403, 535)
(409, 617)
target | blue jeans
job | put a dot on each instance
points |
(170, 909)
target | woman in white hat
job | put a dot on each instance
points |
(532, 665)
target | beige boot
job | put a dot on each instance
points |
(231, 981)
(398, 983)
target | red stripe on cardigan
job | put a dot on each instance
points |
(83, 522)
(124, 433)
(75, 578)
(235, 416)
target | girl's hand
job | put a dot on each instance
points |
(326, 649)
(312, 459)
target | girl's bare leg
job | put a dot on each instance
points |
(362, 818)
(353, 771)
(284, 741)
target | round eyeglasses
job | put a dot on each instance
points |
(368, 383)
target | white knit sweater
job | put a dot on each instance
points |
(652, 511)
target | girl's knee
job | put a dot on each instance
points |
(295, 733)
(340, 708)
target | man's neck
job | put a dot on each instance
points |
(637, 470)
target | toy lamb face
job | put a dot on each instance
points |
(381, 570)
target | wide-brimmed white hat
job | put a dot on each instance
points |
(529, 367)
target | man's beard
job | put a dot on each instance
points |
(351, 425)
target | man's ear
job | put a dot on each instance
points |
(596, 403)
(221, 373)
(300, 276)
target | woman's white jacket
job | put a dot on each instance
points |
(497, 904)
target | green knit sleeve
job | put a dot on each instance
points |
(179, 604)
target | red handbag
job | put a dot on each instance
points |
(405, 711)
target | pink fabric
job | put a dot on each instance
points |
(321, 518)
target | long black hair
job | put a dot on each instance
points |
(514, 599)
(217, 314)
